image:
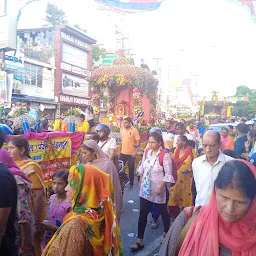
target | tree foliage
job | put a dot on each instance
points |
(54, 16)
(97, 53)
(82, 29)
(245, 108)
(242, 91)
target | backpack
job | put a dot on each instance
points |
(161, 161)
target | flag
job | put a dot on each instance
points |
(131, 6)
(250, 5)
(175, 83)
(186, 82)
(228, 111)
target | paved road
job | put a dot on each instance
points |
(129, 223)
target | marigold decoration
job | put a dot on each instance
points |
(136, 101)
(71, 115)
(122, 75)
(21, 115)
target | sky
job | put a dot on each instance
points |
(213, 42)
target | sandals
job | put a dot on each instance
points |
(137, 247)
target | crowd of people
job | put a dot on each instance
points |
(201, 182)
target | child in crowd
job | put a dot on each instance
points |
(58, 206)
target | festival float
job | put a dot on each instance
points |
(129, 90)
(215, 109)
(52, 150)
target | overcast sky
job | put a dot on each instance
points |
(213, 40)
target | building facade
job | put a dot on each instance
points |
(51, 68)
(73, 67)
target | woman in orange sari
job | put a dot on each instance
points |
(19, 151)
(181, 192)
(91, 228)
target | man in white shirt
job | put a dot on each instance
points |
(181, 130)
(206, 168)
(108, 145)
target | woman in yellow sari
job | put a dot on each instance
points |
(91, 228)
(181, 192)
(19, 151)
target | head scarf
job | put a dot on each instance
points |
(208, 230)
(93, 207)
(6, 159)
(93, 145)
(106, 165)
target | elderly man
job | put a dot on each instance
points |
(206, 168)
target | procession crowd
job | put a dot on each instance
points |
(201, 182)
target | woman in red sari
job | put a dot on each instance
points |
(180, 193)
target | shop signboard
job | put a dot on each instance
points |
(75, 41)
(8, 36)
(3, 87)
(74, 100)
(74, 85)
(75, 69)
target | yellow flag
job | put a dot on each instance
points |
(228, 111)
(174, 83)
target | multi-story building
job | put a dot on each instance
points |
(51, 68)
(73, 67)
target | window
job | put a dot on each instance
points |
(75, 56)
(33, 75)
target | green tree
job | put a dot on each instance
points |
(241, 108)
(82, 29)
(54, 16)
(245, 108)
(242, 91)
(97, 53)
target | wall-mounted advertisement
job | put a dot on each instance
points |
(3, 87)
(73, 85)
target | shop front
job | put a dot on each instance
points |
(73, 67)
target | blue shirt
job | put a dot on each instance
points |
(201, 129)
(239, 147)
(33, 113)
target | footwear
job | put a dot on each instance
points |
(137, 247)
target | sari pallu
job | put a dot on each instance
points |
(35, 174)
(181, 191)
(106, 165)
(92, 206)
(208, 231)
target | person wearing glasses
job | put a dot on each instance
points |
(207, 167)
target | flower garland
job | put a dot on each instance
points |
(136, 101)
(119, 76)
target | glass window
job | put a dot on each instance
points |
(33, 75)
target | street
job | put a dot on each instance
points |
(129, 223)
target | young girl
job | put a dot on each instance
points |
(58, 206)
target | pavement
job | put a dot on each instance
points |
(129, 226)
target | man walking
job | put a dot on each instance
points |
(206, 168)
(130, 142)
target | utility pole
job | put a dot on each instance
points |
(3, 50)
(157, 66)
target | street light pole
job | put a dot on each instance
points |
(3, 50)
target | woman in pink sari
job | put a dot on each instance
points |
(226, 226)
(25, 221)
